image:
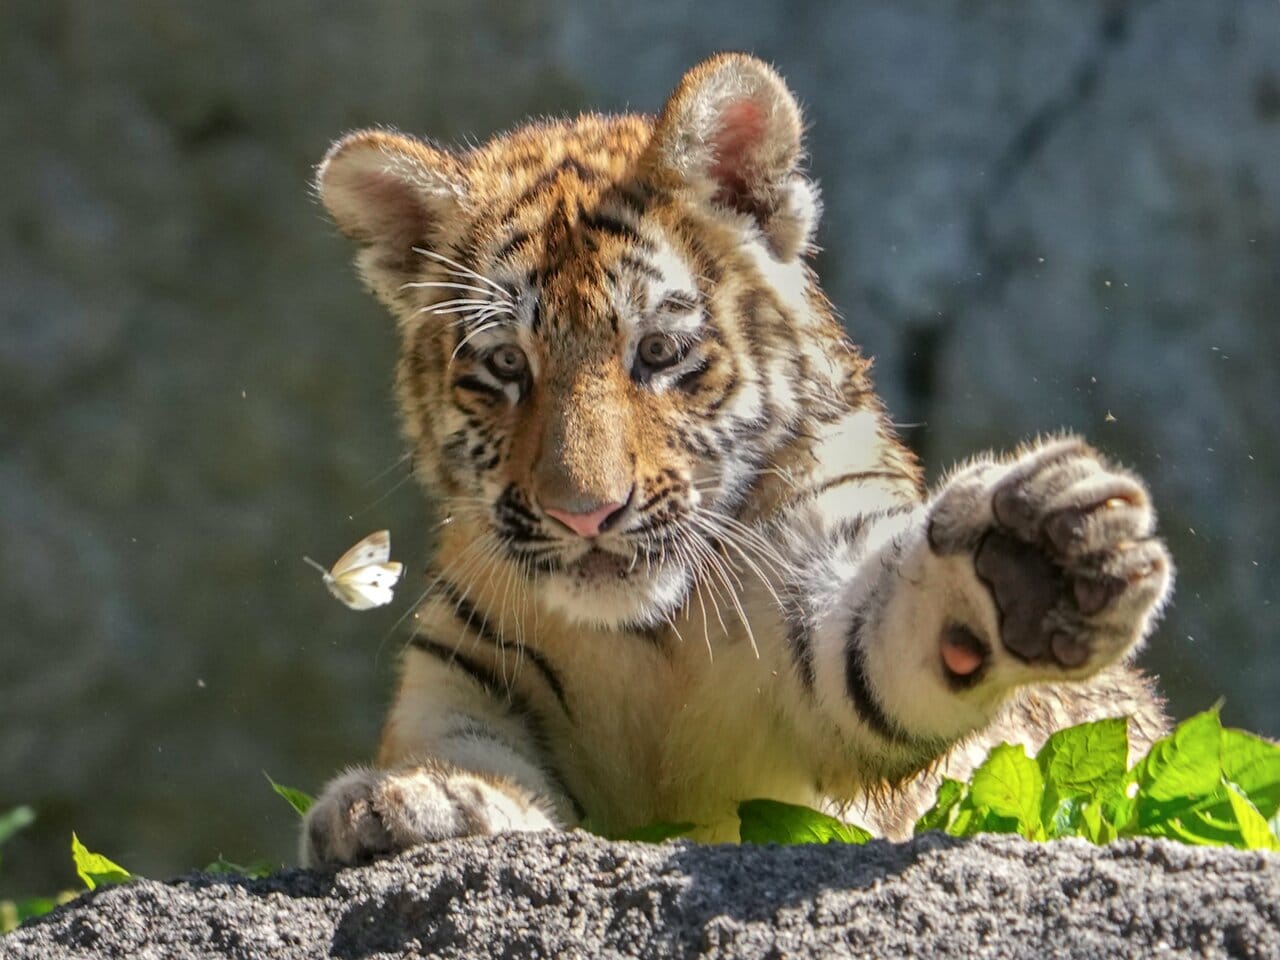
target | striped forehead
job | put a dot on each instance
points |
(614, 293)
(588, 262)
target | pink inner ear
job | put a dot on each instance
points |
(742, 128)
(390, 207)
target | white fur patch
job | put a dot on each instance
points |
(788, 279)
(645, 598)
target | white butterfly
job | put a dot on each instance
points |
(364, 575)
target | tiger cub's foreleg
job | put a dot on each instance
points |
(923, 620)
(456, 762)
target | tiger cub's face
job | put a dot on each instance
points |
(607, 328)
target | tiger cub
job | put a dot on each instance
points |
(689, 562)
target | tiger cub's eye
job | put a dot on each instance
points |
(507, 362)
(658, 350)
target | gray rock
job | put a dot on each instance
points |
(578, 896)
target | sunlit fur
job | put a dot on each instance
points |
(573, 254)
(697, 651)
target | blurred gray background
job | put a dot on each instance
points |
(1040, 213)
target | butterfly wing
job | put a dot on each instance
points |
(368, 586)
(375, 548)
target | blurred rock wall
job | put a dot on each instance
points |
(1039, 214)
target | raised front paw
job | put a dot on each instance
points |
(1064, 545)
(366, 814)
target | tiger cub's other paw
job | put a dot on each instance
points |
(366, 814)
(1064, 545)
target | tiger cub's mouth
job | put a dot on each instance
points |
(633, 589)
(597, 564)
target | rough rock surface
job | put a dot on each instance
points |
(576, 896)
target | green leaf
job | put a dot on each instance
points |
(1218, 818)
(1065, 819)
(95, 869)
(1094, 826)
(1010, 786)
(967, 819)
(259, 868)
(1080, 765)
(11, 821)
(1082, 761)
(1254, 830)
(1211, 821)
(1253, 765)
(656, 832)
(939, 816)
(772, 821)
(300, 801)
(1186, 764)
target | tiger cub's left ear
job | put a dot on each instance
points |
(731, 133)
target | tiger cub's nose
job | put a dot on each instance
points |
(587, 524)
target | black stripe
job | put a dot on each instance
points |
(653, 634)
(606, 223)
(567, 165)
(517, 239)
(849, 530)
(475, 384)
(800, 640)
(639, 265)
(464, 611)
(692, 374)
(633, 195)
(509, 499)
(726, 392)
(476, 671)
(858, 686)
(450, 657)
(647, 505)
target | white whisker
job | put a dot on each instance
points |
(441, 258)
(449, 284)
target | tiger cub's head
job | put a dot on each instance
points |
(608, 328)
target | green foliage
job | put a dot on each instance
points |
(771, 821)
(649, 833)
(1202, 784)
(300, 801)
(14, 912)
(656, 832)
(95, 869)
(257, 869)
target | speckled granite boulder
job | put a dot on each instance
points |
(571, 896)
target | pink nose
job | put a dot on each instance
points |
(585, 524)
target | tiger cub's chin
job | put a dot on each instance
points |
(639, 597)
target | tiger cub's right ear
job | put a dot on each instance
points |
(392, 193)
(731, 136)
